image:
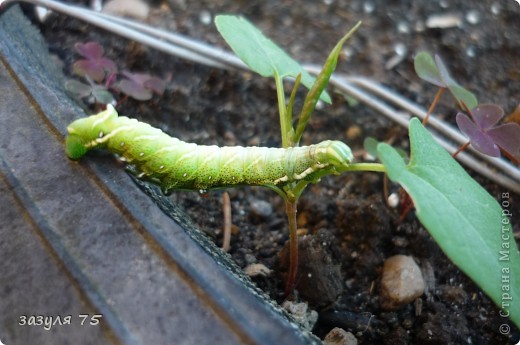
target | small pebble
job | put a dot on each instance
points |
(42, 13)
(338, 336)
(353, 132)
(473, 17)
(369, 7)
(257, 270)
(401, 282)
(128, 8)
(205, 17)
(393, 200)
(301, 313)
(443, 21)
(403, 27)
(261, 208)
(495, 8)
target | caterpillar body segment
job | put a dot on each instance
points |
(176, 165)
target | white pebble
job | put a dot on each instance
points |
(473, 17)
(255, 270)
(301, 313)
(393, 200)
(130, 8)
(205, 17)
(443, 21)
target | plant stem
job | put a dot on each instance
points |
(377, 167)
(226, 210)
(460, 149)
(289, 110)
(432, 106)
(285, 119)
(511, 157)
(290, 209)
(408, 205)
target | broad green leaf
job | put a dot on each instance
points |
(260, 53)
(467, 222)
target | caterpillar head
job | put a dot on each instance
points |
(336, 153)
(85, 133)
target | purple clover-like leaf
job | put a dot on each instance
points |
(485, 135)
(141, 86)
(95, 65)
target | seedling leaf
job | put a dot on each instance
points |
(319, 85)
(463, 95)
(370, 145)
(77, 88)
(260, 53)
(81, 90)
(467, 223)
(102, 95)
(427, 70)
(435, 72)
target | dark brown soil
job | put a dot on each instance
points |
(352, 230)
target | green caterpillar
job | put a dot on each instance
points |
(176, 165)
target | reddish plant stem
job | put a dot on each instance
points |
(432, 106)
(408, 203)
(290, 209)
(226, 210)
(385, 188)
(460, 149)
(511, 157)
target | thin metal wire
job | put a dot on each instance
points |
(365, 90)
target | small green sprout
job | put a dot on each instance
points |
(436, 73)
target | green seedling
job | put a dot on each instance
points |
(435, 72)
(267, 59)
(99, 93)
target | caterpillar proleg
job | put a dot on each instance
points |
(176, 165)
